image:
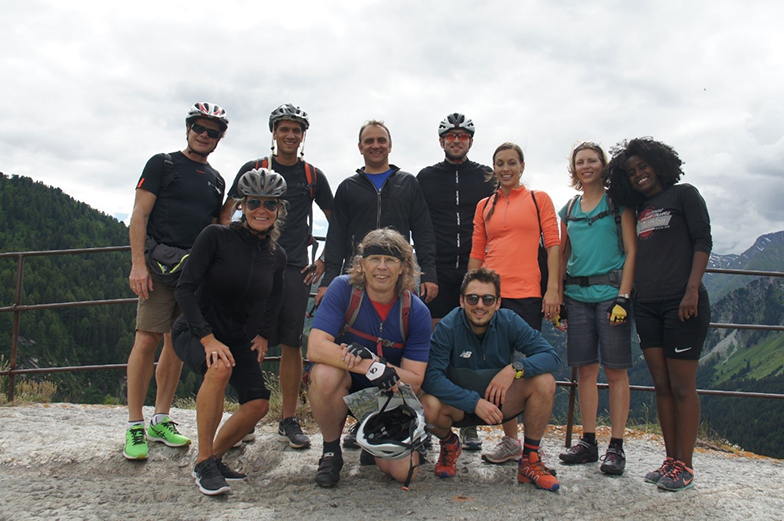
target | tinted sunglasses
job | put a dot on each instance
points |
(255, 204)
(473, 299)
(201, 129)
(462, 136)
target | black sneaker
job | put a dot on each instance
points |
(350, 439)
(366, 458)
(582, 452)
(208, 477)
(290, 432)
(229, 474)
(328, 473)
(613, 461)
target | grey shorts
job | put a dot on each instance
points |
(590, 339)
(157, 313)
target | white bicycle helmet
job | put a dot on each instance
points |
(392, 433)
(261, 183)
(288, 112)
(456, 121)
(208, 111)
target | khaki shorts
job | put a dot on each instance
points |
(157, 313)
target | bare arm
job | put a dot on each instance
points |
(688, 307)
(474, 264)
(226, 211)
(139, 279)
(629, 232)
(552, 299)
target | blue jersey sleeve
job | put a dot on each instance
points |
(330, 313)
(419, 324)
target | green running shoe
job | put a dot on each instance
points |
(166, 433)
(135, 444)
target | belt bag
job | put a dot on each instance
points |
(610, 279)
(165, 261)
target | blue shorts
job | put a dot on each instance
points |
(591, 339)
(658, 325)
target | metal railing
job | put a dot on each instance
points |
(17, 308)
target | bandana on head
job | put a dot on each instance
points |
(375, 249)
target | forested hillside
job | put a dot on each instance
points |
(34, 216)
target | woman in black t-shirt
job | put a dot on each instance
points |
(672, 310)
(231, 269)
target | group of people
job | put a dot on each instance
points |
(633, 244)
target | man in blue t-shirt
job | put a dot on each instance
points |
(374, 350)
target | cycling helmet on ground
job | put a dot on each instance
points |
(392, 433)
(288, 112)
(208, 111)
(261, 183)
(456, 121)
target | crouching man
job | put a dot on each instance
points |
(470, 380)
(369, 330)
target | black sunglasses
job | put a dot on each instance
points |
(473, 299)
(201, 129)
(255, 204)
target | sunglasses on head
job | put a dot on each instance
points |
(473, 299)
(460, 136)
(201, 129)
(255, 204)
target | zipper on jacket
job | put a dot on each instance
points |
(457, 213)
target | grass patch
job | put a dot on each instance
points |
(26, 390)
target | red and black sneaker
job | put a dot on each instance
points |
(680, 477)
(446, 466)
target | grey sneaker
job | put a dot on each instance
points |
(581, 452)
(655, 475)
(613, 461)
(680, 477)
(507, 449)
(470, 438)
(290, 432)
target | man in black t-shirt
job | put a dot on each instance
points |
(452, 190)
(177, 196)
(305, 184)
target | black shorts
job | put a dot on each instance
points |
(449, 281)
(246, 376)
(529, 309)
(658, 325)
(291, 319)
(471, 419)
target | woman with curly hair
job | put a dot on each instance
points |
(507, 227)
(672, 311)
(599, 273)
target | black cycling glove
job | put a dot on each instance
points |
(382, 376)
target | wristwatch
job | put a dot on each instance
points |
(517, 365)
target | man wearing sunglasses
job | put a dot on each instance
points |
(452, 190)
(305, 184)
(488, 366)
(177, 196)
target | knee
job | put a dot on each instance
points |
(256, 408)
(544, 385)
(588, 373)
(616, 376)
(432, 406)
(218, 374)
(325, 379)
(683, 391)
(147, 341)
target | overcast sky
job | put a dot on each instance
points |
(90, 90)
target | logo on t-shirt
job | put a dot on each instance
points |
(650, 220)
(466, 354)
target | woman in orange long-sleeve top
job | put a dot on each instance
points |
(506, 240)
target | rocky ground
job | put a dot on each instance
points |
(64, 461)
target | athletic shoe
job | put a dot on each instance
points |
(209, 479)
(245, 439)
(166, 433)
(350, 439)
(446, 466)
(290, 432)
(507, 449)
(328, 473)
(228, 473)
(530, 469)
(680, 477)
(470, 438)
(135, 444)
(613, 461)
(655, 475)
(581, 452)
(366, 458)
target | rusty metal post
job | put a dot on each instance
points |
(570, 415)
(15, 332)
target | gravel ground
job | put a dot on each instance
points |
(64, 461)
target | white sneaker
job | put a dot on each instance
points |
(507, 449)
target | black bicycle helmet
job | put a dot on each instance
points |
(208, 111)
(288, 112)
(456, 121)
(261, 183)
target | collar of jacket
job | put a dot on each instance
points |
(392, 167)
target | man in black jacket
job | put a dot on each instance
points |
(377, 196)
(452, 190)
